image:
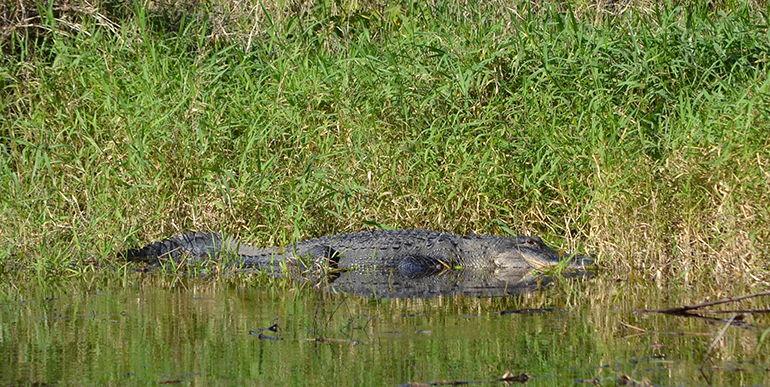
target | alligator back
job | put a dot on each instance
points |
(412, 252)
(196, 245)
(381, 248)
(409, 250)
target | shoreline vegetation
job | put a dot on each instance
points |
(634, 130)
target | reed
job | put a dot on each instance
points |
(633, 130)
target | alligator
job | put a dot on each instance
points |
(410, 254)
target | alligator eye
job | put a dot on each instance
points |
(531, 243)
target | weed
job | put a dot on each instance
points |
(638, 132)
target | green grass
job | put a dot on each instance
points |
(638, 133)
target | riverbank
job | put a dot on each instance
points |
(636, 133)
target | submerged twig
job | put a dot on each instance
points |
(508, 377)
(739, 311)
(633, 327)
(716, 339)
(643, 331)
(685, 310)
(263, 336)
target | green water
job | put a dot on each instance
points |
(153, 329)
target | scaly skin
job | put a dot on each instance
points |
(411, 252)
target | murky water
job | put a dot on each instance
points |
(156, 329)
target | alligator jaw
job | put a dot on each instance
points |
(572, 262)
(538, 265)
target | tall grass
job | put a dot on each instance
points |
(636, 132)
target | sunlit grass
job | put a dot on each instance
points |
(639, 134)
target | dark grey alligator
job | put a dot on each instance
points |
(408, 253)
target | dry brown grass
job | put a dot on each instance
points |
(244, 21)
(649, 230)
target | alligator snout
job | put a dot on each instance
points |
(539, 260)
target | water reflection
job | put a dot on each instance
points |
(387, 283)
(152, 329)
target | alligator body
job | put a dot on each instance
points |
(410, 254)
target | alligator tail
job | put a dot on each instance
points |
(192, 245)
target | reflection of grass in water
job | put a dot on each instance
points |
(683, 341)
(637, 133)
(193, 319)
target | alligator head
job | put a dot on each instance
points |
(531, 252)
